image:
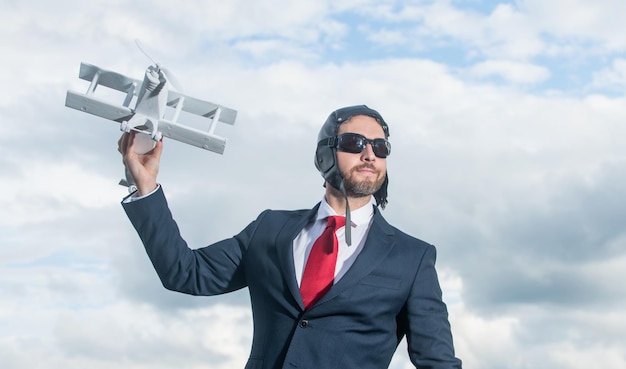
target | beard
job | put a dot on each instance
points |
(363, 187)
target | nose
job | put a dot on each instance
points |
(368, 153)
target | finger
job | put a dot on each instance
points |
(130, 141)
(121, 144)
(158, 149)
(124, 143)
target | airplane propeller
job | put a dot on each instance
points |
(169, 76)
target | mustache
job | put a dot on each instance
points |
(365, 166)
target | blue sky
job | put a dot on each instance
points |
(507, 123)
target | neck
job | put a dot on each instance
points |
(337, 200)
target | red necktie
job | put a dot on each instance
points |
(319, 271)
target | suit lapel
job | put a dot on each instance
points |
(284, 243)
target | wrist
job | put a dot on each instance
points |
(144, 189)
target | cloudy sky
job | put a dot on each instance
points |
(507, 119)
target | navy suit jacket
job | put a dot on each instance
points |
(391, 291)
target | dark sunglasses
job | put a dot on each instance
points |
(356, 143)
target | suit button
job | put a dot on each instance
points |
(304, 323)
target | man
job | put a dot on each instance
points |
(351, 312)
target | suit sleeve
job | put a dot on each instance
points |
(428, 330)
(210, 270)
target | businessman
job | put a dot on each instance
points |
(334, 286)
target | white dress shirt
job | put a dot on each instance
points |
(302, 244)
(134, 197)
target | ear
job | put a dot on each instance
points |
(324, 159)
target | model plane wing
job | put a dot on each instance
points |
(99, 107)
(192, 136)
(110, 79)
(200, 107)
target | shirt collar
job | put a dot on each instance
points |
(360, 216)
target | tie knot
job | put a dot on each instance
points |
(335, 222)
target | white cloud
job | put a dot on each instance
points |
(137, 336)
(599, 22)
(613, 77)
(514, 72)
(571, 356)
(43, 191)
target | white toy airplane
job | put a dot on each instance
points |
(153, 95)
